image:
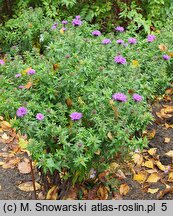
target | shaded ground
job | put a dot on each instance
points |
(161, 137)
(163, 129)
(9, 180)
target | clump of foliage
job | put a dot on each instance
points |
(83, 101)
(105, 12)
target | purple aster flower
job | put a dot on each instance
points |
(119, 97)
(64, 22)
(166, 57)
(120, 60)
(21, 87)
(76, 22)
(96, 33)
(119, 29)
(151, 38)
(2, 62)
(21, 111)
(31, 71)
(18, 75)
(54, 26)
(106, 41)
(78, 17)
(119, 41)
(137, 97)
(39, 116)
(132, 40)
(76, 116)
(125, 44)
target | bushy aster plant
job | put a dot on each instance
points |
(81, 102)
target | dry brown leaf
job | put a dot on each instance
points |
(5, 125)
(56, 66)
(11, 163)
(5, 136)
(103, 193)
(1, 118)
(150, 171)
(153, 178)
(120, 174)
(140, 177)
(165, 112)
(138, 159)
(72, 194)
(163, 47)
(170, 177)
(116, 113)
(69, 102)
(124, 189)
(24, 167)
(162, 193)
(167, 140)
(110, 135)
(170, 153)
(52, 193)
(149, 164)
(28, 186)
(153, 191)
(28, 85)
(169, 91)
(41, 196)
(152, 151)
(116, 196)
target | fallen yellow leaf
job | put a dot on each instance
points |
(110, 135)
(124, 189)
(135, 63)
(170, 177)
(167, 140)
(140, 177)
(1, 163)
(170, 153)
(138, 159)
(153, 178)
(152, 151)
(168, 126)
(170, 54)
(149, 164)
(62, 31)
(161, 166)
(151, 134)
(28, 186)
(153, 191)
(52, 193)
(113, 166)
